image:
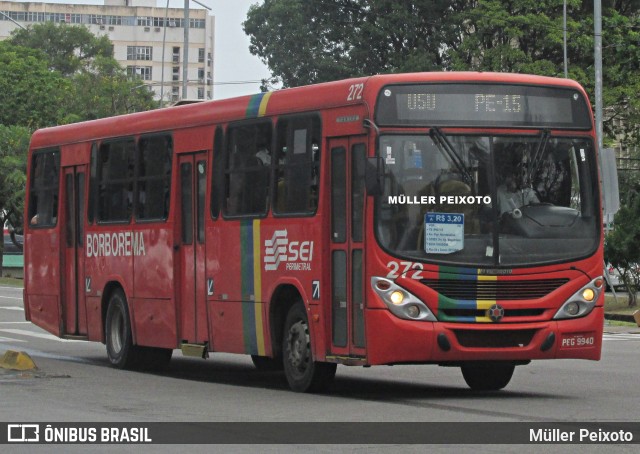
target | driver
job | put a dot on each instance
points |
(513, 194)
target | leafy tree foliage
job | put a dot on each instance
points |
(68, 48)
(98, 85)
(622, 245)
(31, 95)
(319, 40)
(14, 141)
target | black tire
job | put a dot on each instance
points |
(120, 349)
(302, 372)
(266, 364)
(490, 376)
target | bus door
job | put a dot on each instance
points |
(73, 277)
(347, 247)
(192, 291)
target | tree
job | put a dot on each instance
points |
(622, 246)
(314, 41)
(68, 48)
(99, 86)
(103, 89)
(31, 95)
(14, 142)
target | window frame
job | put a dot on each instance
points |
(309, 118)
(254, 122)
(34, 155)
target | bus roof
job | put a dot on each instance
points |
(286, 101)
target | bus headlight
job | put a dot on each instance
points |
(400, 302)
(582, 302)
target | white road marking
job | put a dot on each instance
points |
(12, 308)
(621, 337)
(15, 323)
(38, 335)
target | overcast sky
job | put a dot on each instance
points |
(232, 61)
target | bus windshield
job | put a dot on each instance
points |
(488, 200)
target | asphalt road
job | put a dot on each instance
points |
(74, 382)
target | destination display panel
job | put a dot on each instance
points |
(482, 105)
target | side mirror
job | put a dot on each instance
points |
(374, 176)
(610, 193)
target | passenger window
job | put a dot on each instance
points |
(297, 165)
(154, 177)
(43, 203)
(115, 181)
(248, 169)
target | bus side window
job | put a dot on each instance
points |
(217, 173)
(115, 180)
(153, 177)
(248, 169)
(297, 165)
(43, 203)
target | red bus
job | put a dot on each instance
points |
(429, 218)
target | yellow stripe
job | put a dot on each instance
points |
(485, 304)
(257, 286)
(263, 104)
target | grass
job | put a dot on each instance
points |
(11, 282)
(619, 307)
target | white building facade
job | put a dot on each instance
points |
(143, 41)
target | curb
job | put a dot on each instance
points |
(14, 360)
(619, 318)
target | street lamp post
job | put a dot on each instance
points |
(564, 38)
(597, 32)
(185, 51)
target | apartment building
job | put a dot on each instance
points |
(147, 40)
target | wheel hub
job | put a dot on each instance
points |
(298, 341)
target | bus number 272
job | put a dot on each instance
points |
(399, 268)
(355, 92)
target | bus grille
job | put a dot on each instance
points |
(494, 338)
(460, 289)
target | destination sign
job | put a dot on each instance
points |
(485, 105)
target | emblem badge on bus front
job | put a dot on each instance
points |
(495, 313)
(296, 254)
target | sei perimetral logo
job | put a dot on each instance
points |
(23, 433)
(296, 254)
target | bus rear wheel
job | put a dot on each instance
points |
(120, 349)
(302, 372)
(489, 376)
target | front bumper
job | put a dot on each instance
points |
(393, 341)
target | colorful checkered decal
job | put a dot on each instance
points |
(444, 303)
(251, 281)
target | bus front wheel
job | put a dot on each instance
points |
(490, 376)
(302, 372)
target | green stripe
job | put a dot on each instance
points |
(254, 105)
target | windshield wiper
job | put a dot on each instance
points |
(445, 147)
(537, 158)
